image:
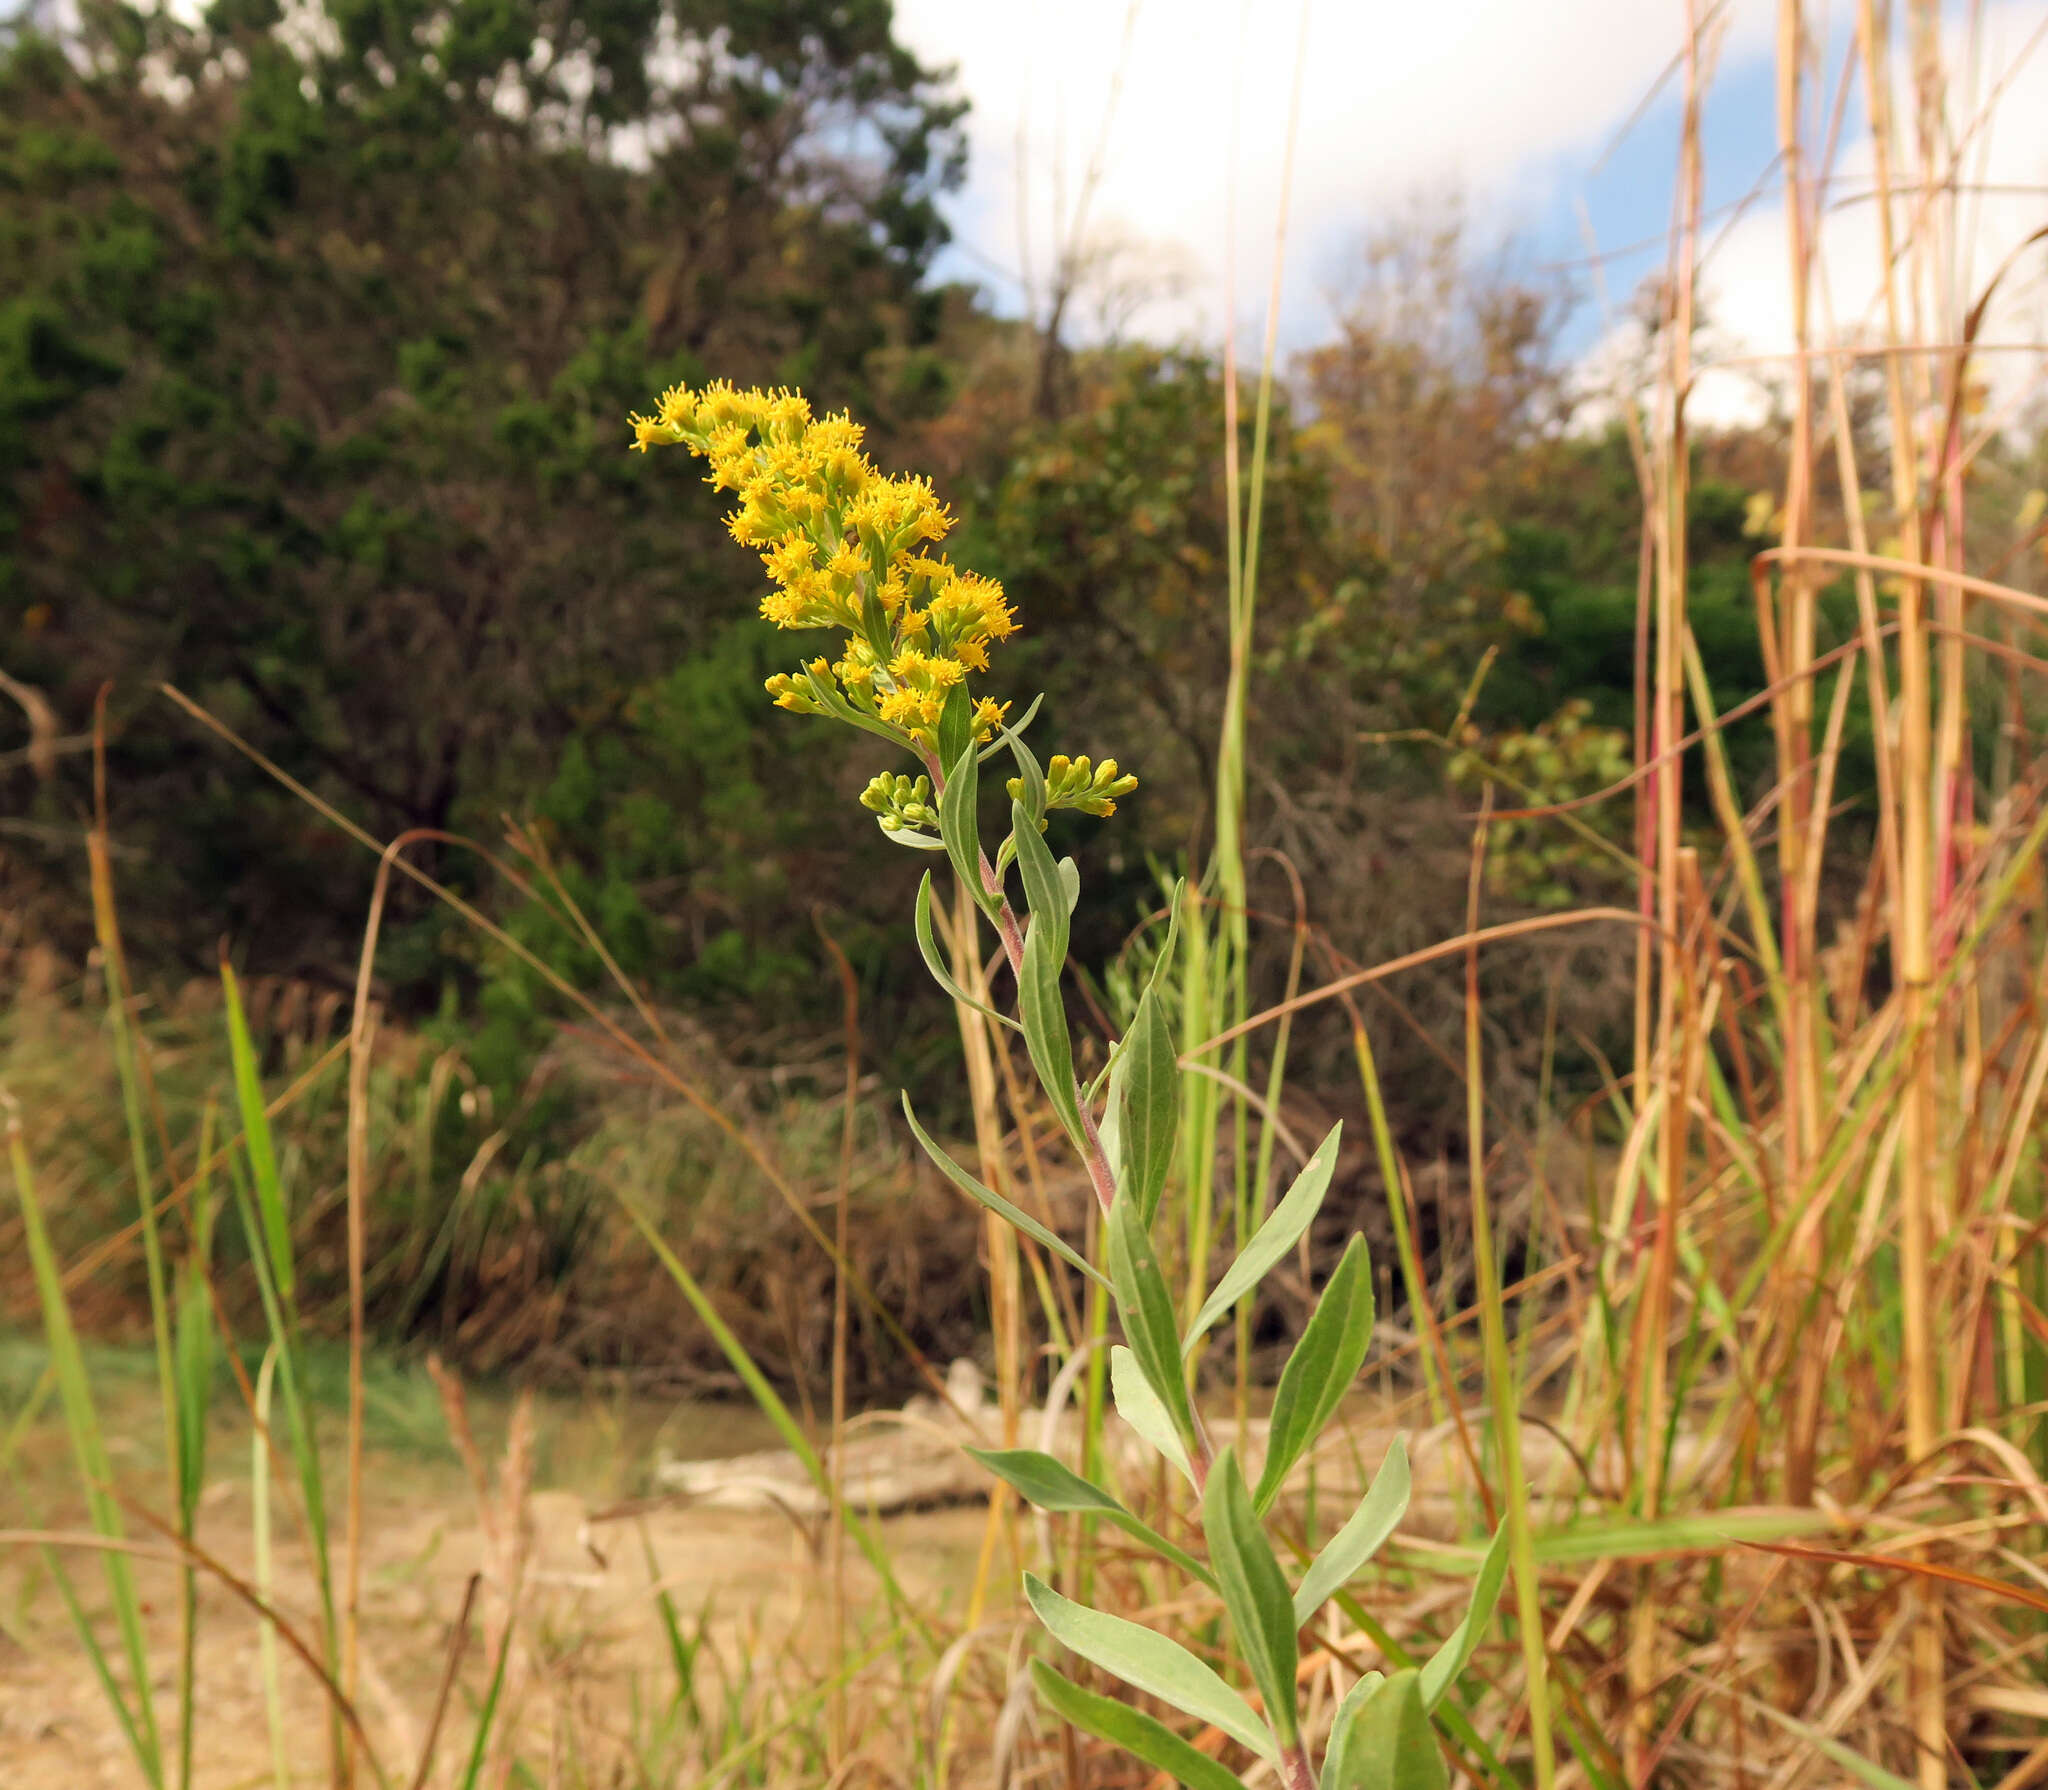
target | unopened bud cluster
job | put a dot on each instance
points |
(901, 804)
(1078, 784)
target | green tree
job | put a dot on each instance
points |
(314, 333)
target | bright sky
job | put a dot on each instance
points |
(1528, 108)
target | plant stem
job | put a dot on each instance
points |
(1501, 1399)
(1100, 1175)
(1295, 1770)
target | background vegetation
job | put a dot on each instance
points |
(317, 327)
(315, 334)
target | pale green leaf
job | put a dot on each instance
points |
(1145, 1307)
(960, 827)
(1053, 1485)
(1388, 1743)
(1039, 1003)
(1136, 1732)
(1149, 1662)
(1320, 1371)
(1360, 1538)
(1138, 1405)
(1046, 1038)
(1150, 1106)
(1032, 778)
(1441, 1670)
(1336, 1753)
(995, 1202)
(1254, 1591)
(1281, 1231)
(956, 724)
(911, 837)
(1015, 730)
(928, 945)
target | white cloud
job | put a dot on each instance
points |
(1746, 284)
(1486, 96)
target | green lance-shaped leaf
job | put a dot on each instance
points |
(960, 827)
(956, 724)
(1110, 1132)
(1138, 1405)
(1149, 1662)
(1153, 982)
(915, 840)
(995, 1202)
(1031, 791)
(1440, 1671)
(1045, 894)
(1136, 1732)
(1146, 1308)
(1039, 1004)
(1070, 884)
(1336, 1754)
(1387, 1744)
(1254, 1591)
(1320, 1371)
(1149, 1116)
(1353, 1545)
(1053, 1485)
(928, 944)
(1281, 1231)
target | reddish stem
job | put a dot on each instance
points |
(1012, 935)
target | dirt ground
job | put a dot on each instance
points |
(591, 1656)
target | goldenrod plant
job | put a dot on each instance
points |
(845, 548)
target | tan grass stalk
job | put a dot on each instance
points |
(362, 1034)
(1668, 529)
(1914, 942)
(1792, 720)
(842, 1198)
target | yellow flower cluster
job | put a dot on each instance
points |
(844, 548)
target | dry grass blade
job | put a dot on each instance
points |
(179, 1548)
(458, 1645)
(1925, 1569)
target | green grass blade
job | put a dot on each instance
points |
(257, 1141)
(96, 1657)
(81, 1419)
(194, 1344)
(769, 1401)
(259, 1521)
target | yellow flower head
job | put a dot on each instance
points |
(844, 548)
